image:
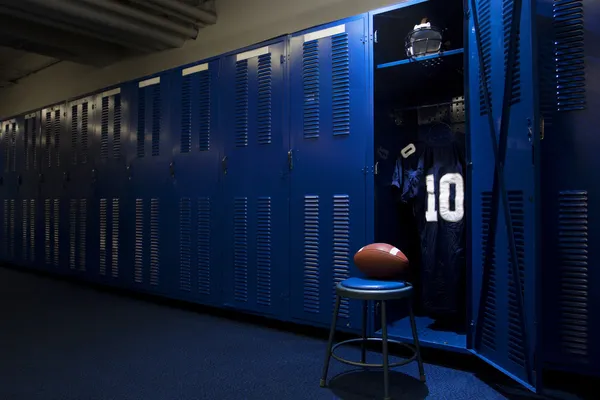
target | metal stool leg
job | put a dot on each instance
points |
(330, 342)
(384, 337)
(363, 346)
(413, 326)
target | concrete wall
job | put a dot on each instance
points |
(241, 23)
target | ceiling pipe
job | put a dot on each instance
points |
(149, 19)
(195, 13)
(78, 11)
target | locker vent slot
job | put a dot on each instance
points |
(56, 232)
(488, 330)
(265, 72)
(204, 245)
(115, 239)
(32, 230)
(103, 211)
(25, 230)
(204, 110)
(73, 234)
(56, 131)
(507, 13)
(139, 241)
(11, 248)
(48, 144)
(84, 133)
(341, 247)
(82, 233)
(141, 120)
(33, 142)
(240, 249)
(569, 55)
(104, 129)
(26, 141)
(241, 103)
(263, 251)
(74, 132)
(185, 243)
(117, 127)
(6, 144)
(13, 143)
(485, 22)
(186, 114)
(310, 81)
(574, 286)
(311, 254)
(47, 229)
(154, 242)
(156, 120)
(341, 84)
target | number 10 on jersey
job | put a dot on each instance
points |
(446, 182)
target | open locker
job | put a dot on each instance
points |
(468, 225)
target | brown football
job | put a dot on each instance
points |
(381, 261)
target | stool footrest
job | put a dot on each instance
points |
(366, 365)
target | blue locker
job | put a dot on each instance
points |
(255, 176)
(196, 169)
(108, 200)
(329, 125)
(54, 199)
(10, 190)
(568, 73)
(151, 207)
(503, 295)
(79, 182)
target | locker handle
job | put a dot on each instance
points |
(291, 159)
(224, 165)
(172, 169)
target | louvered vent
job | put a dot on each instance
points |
(26, 142)
(507, 18)
(11, 245)
(82, 234)
(341, 246)
(25, 230)
(485, 28)
(56, 132)
(139, 241)
(265, 72)
(6, 143)
(13, 143)
(156, 120)
(117, 127)
(489, 319)
(241, 103)
(32, 229)
(48, 138)
(5, 226)
(186, 114)
(185, 244)
(263, 251)
(115, 239)
(311, 254)
(204, 110)
(84, 133)
(240, 238)
(74, 132)
(574, 284)
(103, 212)
(154, 242)
(310, 81)
(73, 234)
(341, 84)
(56, 232)
(104, 128)
(204, 245)
(32, 148)
(516, 348)
(141, 120)
(47, 229)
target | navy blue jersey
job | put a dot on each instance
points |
(432, 181)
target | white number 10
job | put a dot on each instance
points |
(444, 198)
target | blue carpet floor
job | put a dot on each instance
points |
(62, 341)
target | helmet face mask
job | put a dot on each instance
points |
(423, 40)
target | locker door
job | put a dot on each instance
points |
(329, 127)
(79, 185)
(152, 184)
(196, 172)
(255, 179)
(504, 202)
(10, 201)
(53, 196)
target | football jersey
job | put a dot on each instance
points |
(432, 181)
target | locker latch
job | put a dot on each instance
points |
(172, 169)
(291, 159)
(224, 165)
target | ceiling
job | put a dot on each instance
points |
(36, 34)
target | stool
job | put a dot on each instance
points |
(367, 289)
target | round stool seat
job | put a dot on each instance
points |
(371, 289)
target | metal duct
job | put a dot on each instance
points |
(186, 10)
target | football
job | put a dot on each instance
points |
(381, 261)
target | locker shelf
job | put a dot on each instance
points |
(428, 336)
(421, 59)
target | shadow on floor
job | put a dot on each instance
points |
(362, 384)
